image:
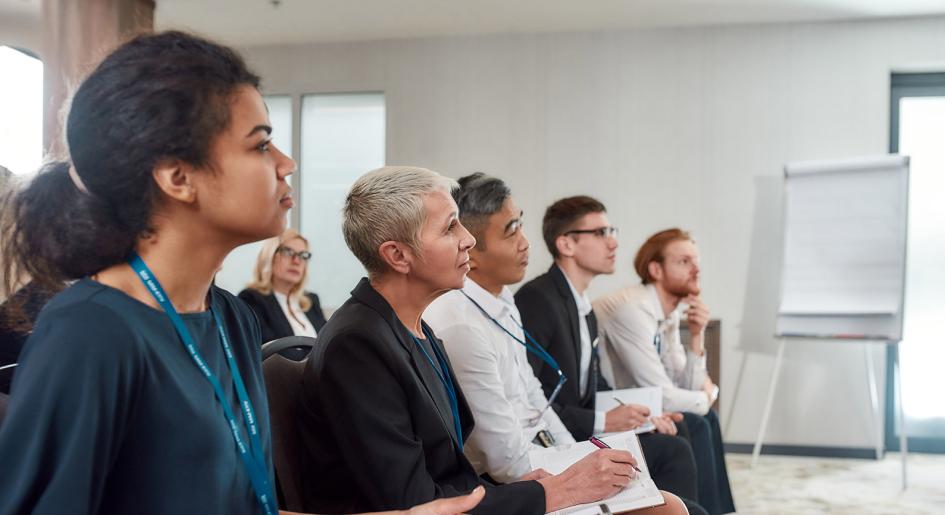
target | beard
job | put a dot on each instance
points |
(683, 288)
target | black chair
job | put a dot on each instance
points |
(4, 399)
(283, 378)
(295, 348)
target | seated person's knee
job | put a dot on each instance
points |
(673, 506)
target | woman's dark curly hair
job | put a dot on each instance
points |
(156, 97)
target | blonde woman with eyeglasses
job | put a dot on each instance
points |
(277, 294)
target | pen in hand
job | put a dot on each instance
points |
(603, 445)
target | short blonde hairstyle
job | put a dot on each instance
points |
(262, 274)
(387, 205)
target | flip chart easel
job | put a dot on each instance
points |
(843, 272)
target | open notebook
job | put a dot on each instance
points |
(640, 493)
(650, 396)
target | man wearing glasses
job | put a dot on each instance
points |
(641, 346)
(491, 344)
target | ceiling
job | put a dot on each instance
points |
(255, 22)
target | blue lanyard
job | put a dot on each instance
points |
(658, 338)
(534, 347)
(253, 459)
(530, 345)
(444, 377)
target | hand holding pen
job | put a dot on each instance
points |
(600, 444)
(625, 417)
(599, 475)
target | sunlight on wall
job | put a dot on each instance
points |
(21, 105)
(922, 123)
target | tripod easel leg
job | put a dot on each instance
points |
(903, 443)
(874, 400)
(767, 413)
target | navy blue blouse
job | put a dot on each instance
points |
(109, 414)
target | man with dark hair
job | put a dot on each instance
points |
(556, 311)
(488, 345)
(641, 346)
(480, 328)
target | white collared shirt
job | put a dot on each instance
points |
(496, 378)
(300, 324)
(629, 321)
(584, 308)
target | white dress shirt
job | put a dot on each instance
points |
(301, 326)
(629, 321)
(497, 380)
(584, 308)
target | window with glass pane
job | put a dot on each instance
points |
(343, 136)
(917, 132)
(21, 111)
(238, 267)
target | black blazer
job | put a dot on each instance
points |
(550, 315)
(272, 320)
(378, 427)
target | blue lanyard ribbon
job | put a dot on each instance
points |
(658, 338)
(443, 374)
(531, 345)
(253, 458)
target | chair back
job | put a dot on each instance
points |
(295, 348)
(283, 378)
(4, 400)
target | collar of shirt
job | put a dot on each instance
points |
(583, 302)
(656, 308)
(497, 307)
(283, 299)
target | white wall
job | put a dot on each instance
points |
(684, 127)
(22, 31)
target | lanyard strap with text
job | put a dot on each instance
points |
(444, 378)
(530, 345)
(253, 458)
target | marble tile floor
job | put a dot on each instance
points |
(787, 485)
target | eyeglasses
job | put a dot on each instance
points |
(286, 252)
(603, 232)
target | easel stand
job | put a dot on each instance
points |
(874, 401)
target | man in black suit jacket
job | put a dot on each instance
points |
(583, 243)
(382, 414)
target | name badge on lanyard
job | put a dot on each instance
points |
(253, 458)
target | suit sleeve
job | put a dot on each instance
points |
(537, 312)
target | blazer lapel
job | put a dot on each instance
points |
(561, 283)
(280, 323)
(428, 377)
(593, 378)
